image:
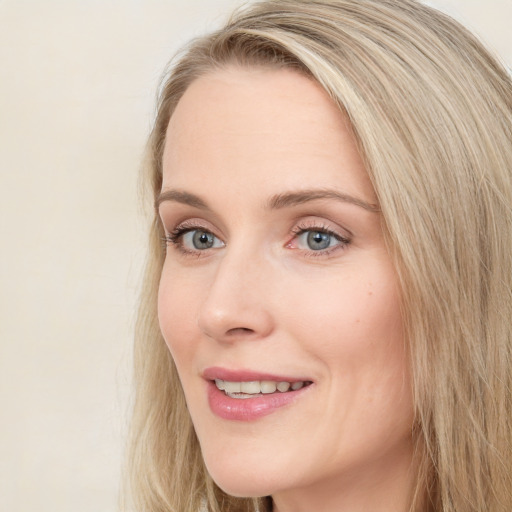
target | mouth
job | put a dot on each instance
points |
(245, 395)
(255, 388)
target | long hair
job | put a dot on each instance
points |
(431, 110)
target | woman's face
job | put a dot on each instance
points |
(277, 284)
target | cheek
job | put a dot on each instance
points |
(177, 314)
(353, 329)
(353, 315)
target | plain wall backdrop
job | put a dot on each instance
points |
(77, 90)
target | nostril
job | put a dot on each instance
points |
(239, 330)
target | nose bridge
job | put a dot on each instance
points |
(237, 303)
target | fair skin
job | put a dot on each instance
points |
(277, 269)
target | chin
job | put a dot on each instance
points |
(242, 482)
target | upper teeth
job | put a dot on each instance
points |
(255, 387)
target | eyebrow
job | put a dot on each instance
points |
(276, 202)
(303, 196)
(180, 196)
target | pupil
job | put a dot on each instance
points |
(318, 240)
(203, 240)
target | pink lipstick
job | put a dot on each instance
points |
(246, 395)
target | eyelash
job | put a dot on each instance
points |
(316, 228)
(176, 235)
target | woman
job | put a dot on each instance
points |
(327, 326)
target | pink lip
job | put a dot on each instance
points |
(248, 409)
(216, 372)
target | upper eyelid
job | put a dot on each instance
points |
(180, 231)
(341, 238)
(322, 225)
(299, 226)
(333, 233)
(174, 215)
(191, 225)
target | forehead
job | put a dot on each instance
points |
(260, 123)
(250, 102)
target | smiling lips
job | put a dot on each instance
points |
(249, 389)
(247, 396)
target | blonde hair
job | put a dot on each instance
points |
(431, 110)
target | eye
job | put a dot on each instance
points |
(200, 240)
(317, 240)
(189, 239)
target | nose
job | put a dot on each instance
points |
(237, 304)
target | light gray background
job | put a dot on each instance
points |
(77, 88)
